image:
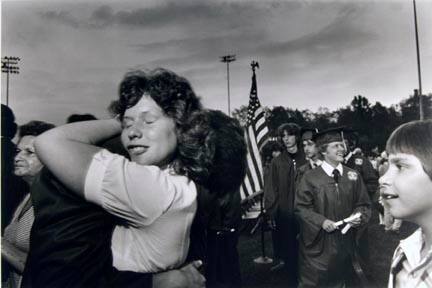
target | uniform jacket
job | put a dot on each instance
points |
(370, 176)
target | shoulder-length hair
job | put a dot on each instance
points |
(413, 138)
(290, 128)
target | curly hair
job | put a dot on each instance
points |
(171, 92)
(213, 149)
(34, 128)
(178, 101)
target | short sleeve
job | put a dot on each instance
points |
(136, 193)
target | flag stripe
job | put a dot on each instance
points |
(256, 134)
(256, 158)
(251, 172)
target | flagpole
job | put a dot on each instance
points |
(418, 63)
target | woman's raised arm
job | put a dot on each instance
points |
(67, 150)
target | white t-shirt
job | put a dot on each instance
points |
(158, 205)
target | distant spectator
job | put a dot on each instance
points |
(12, 187)
(80, 117)
(9, 181)
(314, 158)
(16, 240)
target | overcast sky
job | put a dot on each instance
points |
(311, 53)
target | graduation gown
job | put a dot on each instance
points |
(279, 203)
(303, 169)
(280, 183)
(325, 258)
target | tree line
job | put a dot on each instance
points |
(372, 123)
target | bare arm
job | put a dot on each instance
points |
(186, 277)
(68, 150)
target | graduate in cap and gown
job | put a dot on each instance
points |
(326, 195)
(311, 152)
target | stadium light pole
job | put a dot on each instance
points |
(227, 59)
(9, 66)
(418, 63)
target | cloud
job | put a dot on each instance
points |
(101, 17)
(339, 34)
(61, 17)
(222, 14)
(213, 46)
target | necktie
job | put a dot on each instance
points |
(336, 175)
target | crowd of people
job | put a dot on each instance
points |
(150, 197)
(321, 188)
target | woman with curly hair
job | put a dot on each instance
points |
(153, 195)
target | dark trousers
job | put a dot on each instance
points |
(285, 243)
(223, 265)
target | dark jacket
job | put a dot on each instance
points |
(70, 242)
(370, 176)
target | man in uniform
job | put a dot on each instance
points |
(280, 198)
(355, 160)
(326, 195)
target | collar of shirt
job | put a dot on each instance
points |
(328, 169)
(347, 157)
(412, 247)
(316, 163)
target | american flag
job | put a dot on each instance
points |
(256, 134)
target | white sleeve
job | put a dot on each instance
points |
(137, 193)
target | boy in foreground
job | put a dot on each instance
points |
(406, 188)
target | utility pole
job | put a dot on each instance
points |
(227, 59)
(418, 63)
(9, 67)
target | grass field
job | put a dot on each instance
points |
(381, 246)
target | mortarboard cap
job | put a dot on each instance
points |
(331, 135)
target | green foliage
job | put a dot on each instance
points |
(373, 123)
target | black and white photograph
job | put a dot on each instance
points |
(223, 143)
